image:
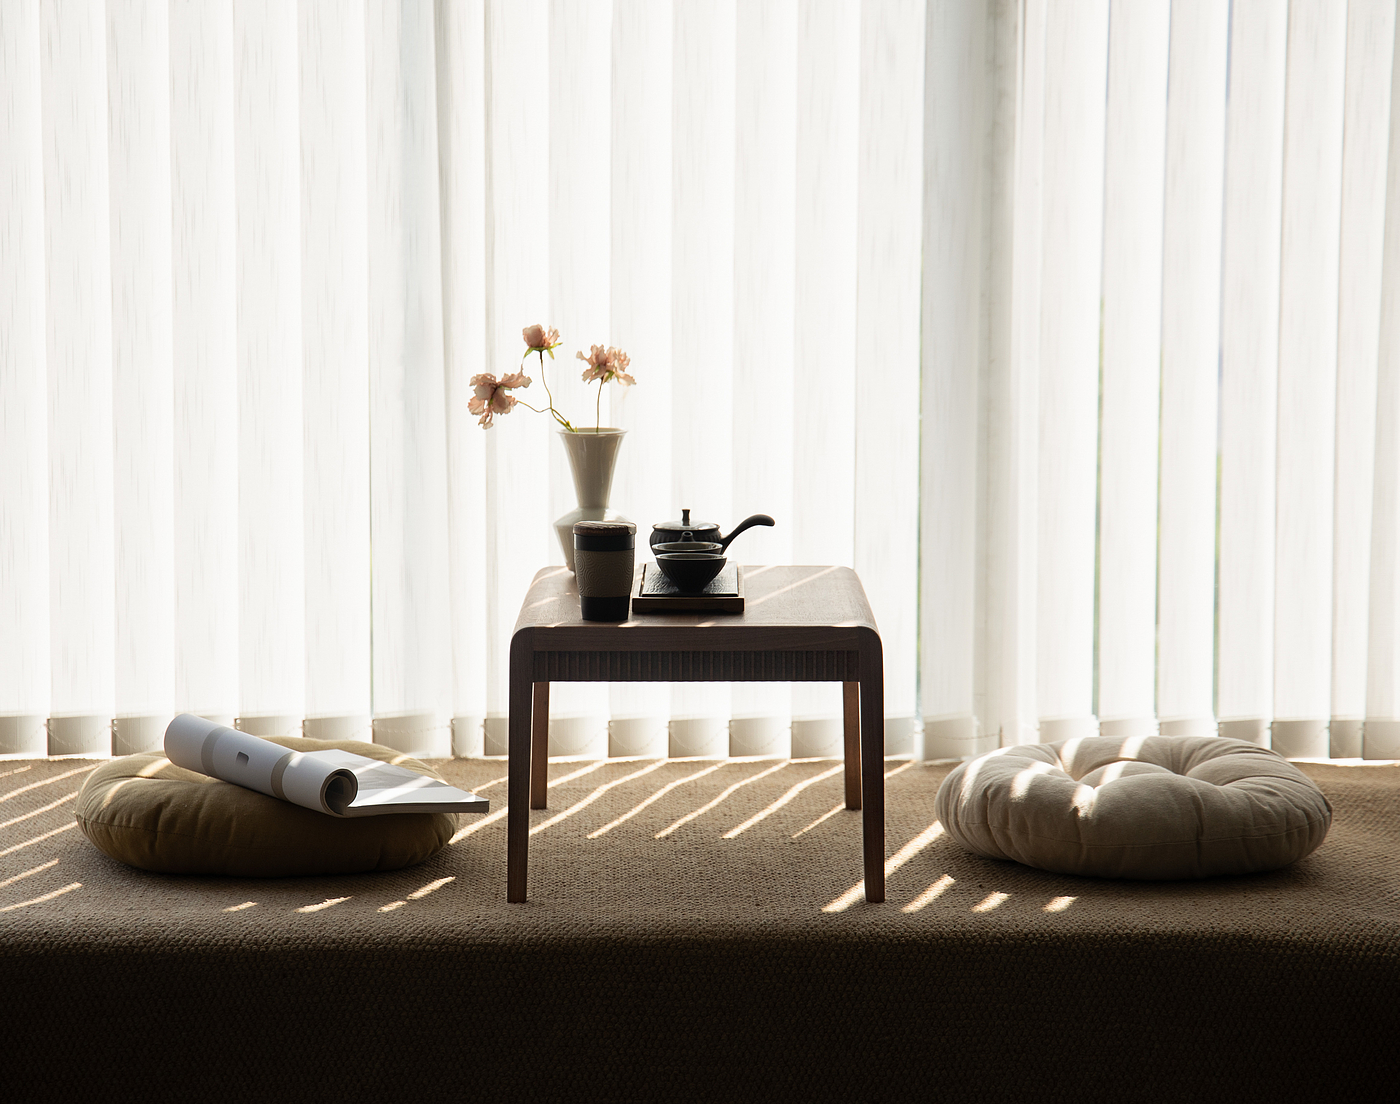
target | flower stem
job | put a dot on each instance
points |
(544, 379)
(598, 414)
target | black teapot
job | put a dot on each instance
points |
(687, 530)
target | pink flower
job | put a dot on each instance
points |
(538, 339)
(606, 364)
(491, 399)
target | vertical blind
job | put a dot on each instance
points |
(1185, 486)
(1070, 324)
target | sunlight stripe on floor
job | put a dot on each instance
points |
(1059, 904)
(38, 839)
(991, 901)
(764, 814)
(37, 812)
(893, 863)
(327, 903)
(240, 908)
(657, 796)
(822, 819)
(47, 781)
(493, 782)
(579, 806)
(26, 873)
(833, 812)
(934, 891)
(17, 770)
(431, 887)
(587, 768)
(711, 804)
(477, 826)
(392, 905)
(46, 897)
(898, 770)
(491, 818)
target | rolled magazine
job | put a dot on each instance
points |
(338, 783)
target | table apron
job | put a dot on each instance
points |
(698, 666)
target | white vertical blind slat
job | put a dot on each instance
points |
(518, 237)
(702, 284)
(271, 541)
(461, 115)
(1370, 46)
(702, 308)
(142, 382)
(1076, 58)
(1249, 365)
(1135, 149)
(640, 220)
(1195, 173)
(138, 46)
(79, 353)
(24, 448)
(824, 328)
(1382, 731)
(954, 141)
(579, 267)
(1307, 375)
(205, 363)
(761, 403)
(888, 312)
(824, 353)
(1012, 374)
(640, 249)
(579, 168)
(408, 490)
(335, 372)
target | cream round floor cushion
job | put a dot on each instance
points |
(149, 813)
(1154, 807)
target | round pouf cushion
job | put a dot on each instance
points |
(1154, 807)
(149, 813)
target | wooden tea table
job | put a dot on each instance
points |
(800, 624)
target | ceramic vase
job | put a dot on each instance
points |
(592, 459)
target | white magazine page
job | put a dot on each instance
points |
(384, 788)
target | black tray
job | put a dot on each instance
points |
(652, 592)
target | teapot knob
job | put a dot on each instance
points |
(685, 517)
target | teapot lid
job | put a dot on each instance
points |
(685, 525)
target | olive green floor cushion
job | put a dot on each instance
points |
(1155, 807)
(146, 812)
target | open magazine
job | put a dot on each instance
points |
(338, 783)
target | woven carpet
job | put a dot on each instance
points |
(696, 931)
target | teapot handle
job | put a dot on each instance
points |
(748, 522)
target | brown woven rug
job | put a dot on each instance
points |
(695, 930)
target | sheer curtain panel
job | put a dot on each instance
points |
(1069, 324)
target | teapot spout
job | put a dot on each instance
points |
(747, 523)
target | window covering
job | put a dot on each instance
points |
(1070, 324)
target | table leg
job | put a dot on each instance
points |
(872, 755)
(539, 747)
(851, 702)
(518, 774)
